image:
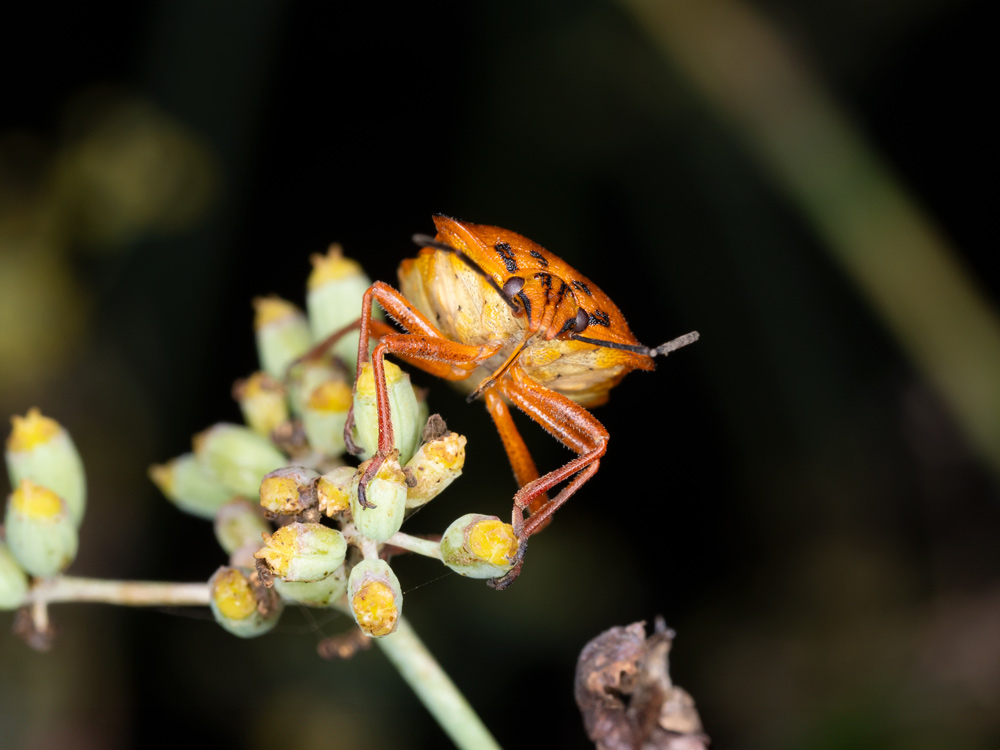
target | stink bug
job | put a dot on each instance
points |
(512, 324)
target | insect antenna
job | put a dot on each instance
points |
(425, 240)
(674, 344)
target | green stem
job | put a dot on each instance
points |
(415, 544)
(127, 593)
(435, 689)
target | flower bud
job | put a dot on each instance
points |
(237, 524)
(41, 450)
(333, 299)
(303, 552)
(288, 491)
(13, 580)
(241, 605)
(325, 592)
(406, 425)
(335, 489)
(40, 532)
(435, 465)
(304, 377)
(188, 486)
(387, 493)
(479, 546)
(325, 415)
(282, 334)
(236, 457)
(375, 597)
(262, 401)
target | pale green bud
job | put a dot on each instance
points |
(335, 490)
(325, 592)
(375, 597)
(436, 464)
(40, 533)
(282, 334)
(238, 524)
(387, 493)
(325, 415)
(304, 377)
(333, 299)
(241, 604)
(236, 457)
(187, 485)
(303, 552)
(479, 546)
(403, 406)
(13, 580)
(41, 450)
(262, 401)
(288, 491)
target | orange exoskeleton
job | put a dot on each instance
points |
(515, 325)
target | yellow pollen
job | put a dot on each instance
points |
(375, 609)
(271, 310)
(37, 502)
(332, 499)
(493, 541)
(278, 550)
(449, 451)
(31, 430)
(366, 378)
(233, 596)
(333, 395)
(331, 267)
(278, 494)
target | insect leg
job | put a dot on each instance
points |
(517, 452)
(571, 425)
(436, 355)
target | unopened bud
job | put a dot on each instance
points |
(41, 450)
(237, 524)
(262, 401)
(335, 489)
(434, 466)
(236, 457)
(13, 580)
(282, 334)
(325, 592)
(325, 415)
(479, 546)
(387, 496)
(288, 491)
(305, 376)
(403, 406)
(241, 605)
(303, 552)
(335, 289)
(187, 485)
(40, 533)
(375, 597)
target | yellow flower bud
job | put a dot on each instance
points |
(40, 449)
(242, 606)
(403, 406)
(262, 401)
(434, 466)
(40, 532)
(333, 299)
(479, 546)
(375, 597)
(282, 334)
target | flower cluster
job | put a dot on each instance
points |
(284, 501)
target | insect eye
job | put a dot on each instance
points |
(582, 321)
(512, 286)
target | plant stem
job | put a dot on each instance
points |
(435, 689)
(415, 544)
(127, 593)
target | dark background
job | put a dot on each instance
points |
(789, 493)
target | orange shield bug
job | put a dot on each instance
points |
(515, 325)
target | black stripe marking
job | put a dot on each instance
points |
(539, 257)
(507, 255)
(600, 318)
(640, 349)
(583, 288)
